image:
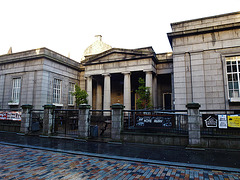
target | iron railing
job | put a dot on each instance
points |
(10, 120)
(100, 123)
(216, 131)
(146, 121)
(66, 122)
(37, 116)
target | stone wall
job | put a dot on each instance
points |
(37, 74)
(206, 22)
(199, 50)
(151, 138)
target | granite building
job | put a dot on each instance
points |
(37, 77)
(203, 67)
(206, 53)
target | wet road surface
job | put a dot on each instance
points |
(27, 163)
(175, 154)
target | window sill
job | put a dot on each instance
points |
(234, 99)
(70, 104)
(58, 105)
(13, 104)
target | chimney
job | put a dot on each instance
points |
(99, 37)
(10, 50)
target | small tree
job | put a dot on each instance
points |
(144, 100)
(80, 95)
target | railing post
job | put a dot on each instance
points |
(117, 121)
(83, 120)
(193, 124)
(26, 118)
(48, 119)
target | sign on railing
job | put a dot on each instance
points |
(10, 115)
(146, 120)
(222, 121)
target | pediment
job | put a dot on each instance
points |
(117, 54)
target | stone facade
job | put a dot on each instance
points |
(200, 48)
(37, 70)
(114, 74)
(196, 71)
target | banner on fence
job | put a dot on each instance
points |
(143, 120)
(210, 120)
(222, 121)
(10, 115)
(234, 121)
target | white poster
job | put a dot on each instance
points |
(222, 121)
(10, 115)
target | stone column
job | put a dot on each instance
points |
(83, 120)
(149, 83)
(26, 120)
(193, 124)
(127, 91)
(117, 121)
(155, 100)
(99, 97)
(107, 92)
(48, 119)
(89, 89)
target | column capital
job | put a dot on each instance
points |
(49, 106)
(148, 71)
(117, 106)
(193, 105)
(126, 72)
(106, 74)
(27, 106)
(88, 75)
(84, 106)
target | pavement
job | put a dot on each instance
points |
(34, 157)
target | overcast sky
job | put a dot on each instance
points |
(70, 26)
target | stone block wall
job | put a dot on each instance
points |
(199, 50)
(206, 22)
(37, 76)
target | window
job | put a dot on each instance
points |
(57, 84)
(233, 72)
(16, 88)
(71, 89)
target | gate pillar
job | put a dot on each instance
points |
(193, 124)
(117, 121)
(48, 119)
(83, 120)
(26, 120)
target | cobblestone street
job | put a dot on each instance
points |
(26, 163)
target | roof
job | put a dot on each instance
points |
(39, 53)
(140, 53)
(205, 25)
(97, 47)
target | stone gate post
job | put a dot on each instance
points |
(26, 120)
(193, 124)
(83, 120)
(117, 120)
(48, 119)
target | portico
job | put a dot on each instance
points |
(112, 77)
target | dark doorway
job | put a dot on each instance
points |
(167, 98)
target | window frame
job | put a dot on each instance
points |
(16, 91)
(71, 89)
(57, 92)
(233, 77)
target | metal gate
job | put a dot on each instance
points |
(100, 123)
(37, 116)
(66, 122)
(145, 121)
